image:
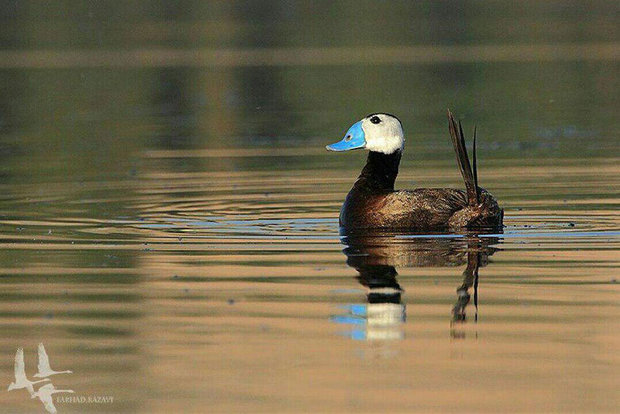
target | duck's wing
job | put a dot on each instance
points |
(424, 207)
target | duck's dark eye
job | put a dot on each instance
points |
(375, 119)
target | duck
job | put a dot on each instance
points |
(373, 203)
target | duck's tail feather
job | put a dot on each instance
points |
(474, 164)
(470, 176)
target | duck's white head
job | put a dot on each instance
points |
(376, 132)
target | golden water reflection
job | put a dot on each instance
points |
(168, 214)
(375, 256)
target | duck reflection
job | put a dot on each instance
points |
(376, 257)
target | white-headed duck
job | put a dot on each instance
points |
(373, 203)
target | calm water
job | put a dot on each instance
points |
(168, 222)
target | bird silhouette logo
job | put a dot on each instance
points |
(44, 365)
(45, 392)
(45, 395)
(21, 381)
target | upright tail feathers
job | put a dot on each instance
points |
(468, 171)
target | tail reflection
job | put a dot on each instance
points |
(470, 278)
(376, 256)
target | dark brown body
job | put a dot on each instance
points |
(373, 203)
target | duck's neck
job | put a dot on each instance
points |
(380, 172)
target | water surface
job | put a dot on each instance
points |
(168, 223)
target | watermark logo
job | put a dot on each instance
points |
(45, 392)
(45, 395)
